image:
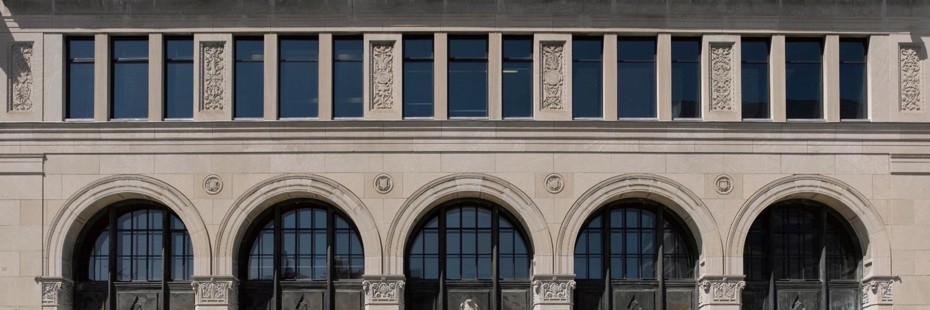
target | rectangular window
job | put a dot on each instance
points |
(250, 78)
(517, 77)
(755, 72)
(853, 78)
(418, 76)
(298, 71)
(686, 78)
(347, 77)
(587, 77)
(130, 81)
(80, 78)
(468, 76)
(179, 78)
(636, 77)
(804, 78)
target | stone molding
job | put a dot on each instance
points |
(212, 75)
(553, 289)
(56, 292)
(382, 75)
(910, 77)
(878, 291)
(552, 75)
(720, 290)
(384, 290)
(218, 291)
(721, 76)
(21, 76)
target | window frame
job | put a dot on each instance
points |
(467, 60)
(419, 60)
(575, 60)
(236, 76)
(315, 113)
(822, 108)
(165, 79)
(865, 77)
(655, 83)
(69, 60)
(768, 76)
(361, 77)
(517, 60)
(697, 61)
(114, 62)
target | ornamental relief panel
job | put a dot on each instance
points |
(553, 291)
(720, 291)
(909, 60)
(212, 291)
(721, 77)
(212, 75)
(21, 77)
(878, 291)
(552, 82)
(383, 290)
(382, 76)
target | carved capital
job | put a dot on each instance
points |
(721, 290)
(721, 77)
(212, 75)
(553, 289)
(21, 77)
(214, 291)
(910, 84)
(878, 291)
(384, 290)
(56, 292)
(552, 79)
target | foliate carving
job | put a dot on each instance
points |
(910, 78)
(721, 77)
(213, 291)
(212, 75)
(382, 76)
(553, 76)
(21, 76)
(553, 291)
(383, 290)
(878, 291)
(721, 291)
(55, 291)
(50, 293)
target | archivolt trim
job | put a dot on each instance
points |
(289, 186)
(94, 197)
(850, 203)
(675, 196)
(469, 185)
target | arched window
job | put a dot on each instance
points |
(301, 253)
(468, 252)
(635, 253)
(800, 254)
(150, 263)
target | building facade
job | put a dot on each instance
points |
(464, 155)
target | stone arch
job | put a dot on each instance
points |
(470, 185)
(678, 198)
(269, 192)
(865, 221)
(94, 197)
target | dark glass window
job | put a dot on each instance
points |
(347, 77)
(298, 71)
(587, 77)
(755, 72)
(130, 81)
(517, 76)
(250, 78)
(468, 76)
(80, 78)
(803, 246)
(853, 78)
(136, 247)
(179, 77)
(418, 76)
(686, 78)
(299, 247)
(466, 242)
(804, 78)
(636, 77)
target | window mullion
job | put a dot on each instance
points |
(659, 257)
(823, 259)
(495, 256)
(330, 265)
(165, 256)
(111, 287)
(442, 257)
(276, 276)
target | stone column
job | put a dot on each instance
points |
(383, 292)
(56, 293)
(553, 292)
(878, 292)
(720, 292)
(215, 293)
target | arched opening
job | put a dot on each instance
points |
(134, 254)
(635, 254)
(301, 254)
(468, 254)
(801, 254)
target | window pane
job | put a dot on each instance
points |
(587, 79)
(297, 77)
(347, 77)
(468, 77)
(517, 77)
(755, 77)
(804, 88)
(250, 79)
(179, 78)
(636, 78)
(853, 79)
(686, 78)
(418, 76)
(130, 78)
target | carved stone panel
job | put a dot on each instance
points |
(878, 291)
(21, 77)
(552, 75)
(717, 291)
(721, 77)
(382, 75)
(553, 291)
(212, 75)
(383, 290)
(909, 56)
(55, 292)
(213, 291)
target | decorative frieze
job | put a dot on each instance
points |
(721, 290)
(56, 292)
(909, 56)
(213, 291)
(384, 290)
(553, 289)
(553, 75)
(21, 78)
(212, 75)
(878, 291)
(382, 75)
(721, 77)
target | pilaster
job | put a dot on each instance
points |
(610, 77)
(383, 292)
(53, 82)
(720, 292)
(831, 78)
(664, 76)
(383, 72)
(270, 109)
(551, 292)
(720, 61)
(878, 292)
(215, 293)
(552, 76)
(440, 76)
(56, 293)
(101, 77)
(325, 79)
(156, 77)
(777, 78)
(495, 78)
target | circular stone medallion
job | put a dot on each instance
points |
(554, 183)
(723, 184)
(212, 184)
(384, 183)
